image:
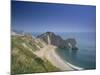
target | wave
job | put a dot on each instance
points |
(73, 66)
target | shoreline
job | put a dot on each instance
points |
(68, 63)
(57, 61)
(49, 52)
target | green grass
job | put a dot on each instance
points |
(41, 46)
(18, 41)
(33, 46)
(23, 61)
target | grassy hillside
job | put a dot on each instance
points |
(25, 61)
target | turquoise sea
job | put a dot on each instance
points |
(85, 57)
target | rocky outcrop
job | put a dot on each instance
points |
(53, 39)
(71, 42)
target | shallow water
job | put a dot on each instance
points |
(85, 57)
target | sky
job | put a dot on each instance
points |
(43, 17)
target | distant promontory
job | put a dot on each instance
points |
(56, 40)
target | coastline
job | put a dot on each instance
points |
(56, 60)
(68, 63)
(49, 53)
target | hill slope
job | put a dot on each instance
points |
(32, 55)
(23, 58)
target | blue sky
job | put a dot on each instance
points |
(42, 17)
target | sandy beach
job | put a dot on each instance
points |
(49, 52)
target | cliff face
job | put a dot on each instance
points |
(53, 39)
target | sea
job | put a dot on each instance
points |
(85, 56)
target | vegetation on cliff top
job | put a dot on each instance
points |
(24, 61)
